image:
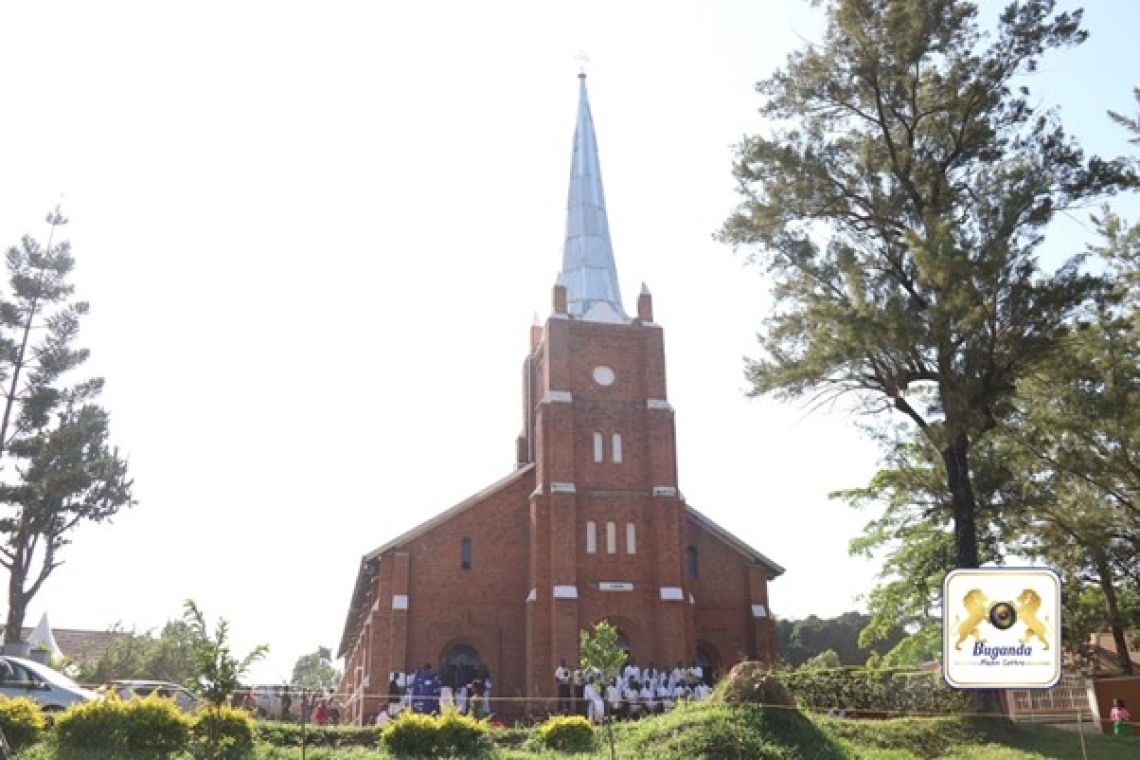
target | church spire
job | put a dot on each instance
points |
(588, 268)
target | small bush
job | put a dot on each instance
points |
(410, 735)
(155, 724)
(461, 735)
(22, 721)
(223, 732)
(566, 733)
(138, 725)
(447, 735)
(92, 725)
(751, 683)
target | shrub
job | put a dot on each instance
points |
(751, 683)
(461, 735)
(22, 721)
(566, 733)
(92, 725)
(449, 734)
(410, 735)
(138, 725)
(155, 724)
(223, 732)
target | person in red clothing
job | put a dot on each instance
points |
(320, 711)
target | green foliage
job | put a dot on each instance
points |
(169, 656)
(750, 683)
(448, 734)
(882, 692)
(137, 725)
(566, 733)
(898, 203)
(598, 650)
(217, 671)
(281, 734)
(799, 640)
(716, 729)
(221, 732)
(59, 468)
(22, 721)
(315, 671)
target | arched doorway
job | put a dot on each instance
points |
(461, 665)
(708, 661)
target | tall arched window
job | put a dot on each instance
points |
(465, 554)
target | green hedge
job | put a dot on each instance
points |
(889, 692)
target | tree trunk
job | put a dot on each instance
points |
(1112, 612)
(956, 458)
(17, 610)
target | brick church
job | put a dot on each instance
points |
(589, 526)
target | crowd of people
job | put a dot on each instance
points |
(427, 691)
(633, 692)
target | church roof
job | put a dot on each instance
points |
(707, 524)
(588, 268)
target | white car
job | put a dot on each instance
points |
(52, 690)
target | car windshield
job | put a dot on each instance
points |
(48, 675)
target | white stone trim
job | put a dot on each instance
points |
(615, 586)
(565, 592)
(562, 488)
(759, 611)
(561, 397)
(400, 601)
(659, 403)
(664, 491)
(691, 599)
(532, 596)
(672, 594)
(537, 491)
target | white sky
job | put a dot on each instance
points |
(315, 234)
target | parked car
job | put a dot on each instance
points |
(133, 688)
(52, 690)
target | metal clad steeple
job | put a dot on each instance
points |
(588, 268)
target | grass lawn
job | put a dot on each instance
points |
(716, 731)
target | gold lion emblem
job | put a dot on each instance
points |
(974, 603)
(1028, 602)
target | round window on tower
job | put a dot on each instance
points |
(603, 376)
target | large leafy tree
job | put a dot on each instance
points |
(57, 467)
(315, 671)
(898, 202)
(169, 656)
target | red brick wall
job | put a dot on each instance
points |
(527, 536)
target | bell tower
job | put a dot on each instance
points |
(606, 517)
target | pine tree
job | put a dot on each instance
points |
(57, 468)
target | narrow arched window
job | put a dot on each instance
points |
(611, 538)
(591, 537)
(692, 562)
(465, 554)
